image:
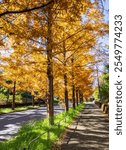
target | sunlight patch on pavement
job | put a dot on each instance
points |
(10, 130)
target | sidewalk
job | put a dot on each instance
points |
(89, 131)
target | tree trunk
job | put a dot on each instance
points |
(33, 101)
(73, 95)
(66, 92)
(73, 86)
(50, 66)
(80, 96)
(77, 96)
(13, 100)
(8, 95)
(65, 80)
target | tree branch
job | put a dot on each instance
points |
(25, 10)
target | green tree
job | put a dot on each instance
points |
(104, 85)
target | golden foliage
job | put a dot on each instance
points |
(76, 26)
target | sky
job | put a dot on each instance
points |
(106, 10)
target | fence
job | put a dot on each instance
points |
(46, 132)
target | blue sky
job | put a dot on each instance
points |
(106, 10)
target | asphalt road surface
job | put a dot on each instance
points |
(11, 122)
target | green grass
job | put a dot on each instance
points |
(33, 129)
(9, 110)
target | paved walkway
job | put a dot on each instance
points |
(90, 131)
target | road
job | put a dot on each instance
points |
(11, 122)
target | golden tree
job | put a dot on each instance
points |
(55, 30)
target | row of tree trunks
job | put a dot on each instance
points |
(78, 98)
(76, 93)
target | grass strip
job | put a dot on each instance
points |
(9, 110)
(35, 128)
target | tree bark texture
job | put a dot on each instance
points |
(50, 66)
